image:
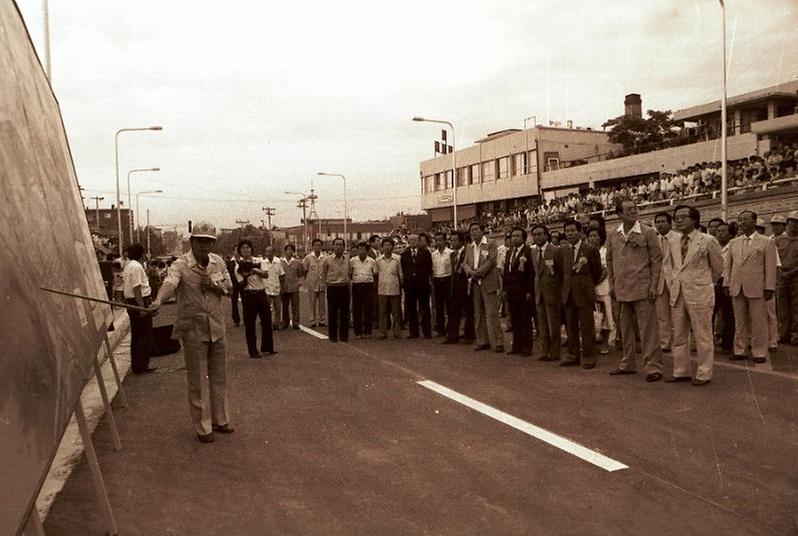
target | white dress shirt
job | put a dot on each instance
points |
(441, 262)
(134, 276)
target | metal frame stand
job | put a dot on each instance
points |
(120, 389)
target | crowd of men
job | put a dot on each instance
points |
(645, 290)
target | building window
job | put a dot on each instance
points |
(437, 181)
(461, 177)
(473, 174)
(488, 171)
(518, 165)
(504, 167)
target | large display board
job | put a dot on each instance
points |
(47, 342)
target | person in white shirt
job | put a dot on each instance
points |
(441, 281)
(361, 270)
(274, 285)
(136, 289)
(252, 277)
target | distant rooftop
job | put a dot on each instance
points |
(788, 90)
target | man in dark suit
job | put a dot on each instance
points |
(460, 304)
(231, 267)
(581, 273)
(417, 271)
(548, 292)
(518, 275)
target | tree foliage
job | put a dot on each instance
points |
(638, 133)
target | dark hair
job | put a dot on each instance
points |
(373, 238)
(574, 222)
(161, 264)
(292, 247)
(387, 240)
(716, 219)
(733, 229)
(545, 230)
(694, 214)
(478, 224)
(363, 244)
(135, 252)
(666, 215)
(242, 242)
(598, 218)
(440, 233)
(337, 239)
(514, 229)
(601, 232)
(316, 240)
(619, 201)
(459, 234)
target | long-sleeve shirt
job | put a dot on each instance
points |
(199, 312)
(293, 272)
(312, 266)
(335, 270)
(362, 271)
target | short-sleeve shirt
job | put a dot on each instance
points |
(274, 268)
(133, 276)
(312, 265)
(363, 271)
(335, 270)
(254, 281)
(389, 272)
(441, 262)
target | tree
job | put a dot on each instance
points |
(638, 134)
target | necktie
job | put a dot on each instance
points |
(540, 260)
(746, 246)
(685, 244)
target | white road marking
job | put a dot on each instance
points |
(313, 332)
(584, 453)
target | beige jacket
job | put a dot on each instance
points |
(750, 270)
(695, 275)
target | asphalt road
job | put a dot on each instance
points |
(342, 439)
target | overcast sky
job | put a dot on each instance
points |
(256, 97)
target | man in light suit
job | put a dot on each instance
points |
(581, 266)
(749, 277)
(664, 222)
(634, 265)
(480, 266)
(548, 292)
(693, 262)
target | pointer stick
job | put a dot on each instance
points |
(98, 300)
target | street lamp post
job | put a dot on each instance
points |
(138, 214)
(97, 200)
(723, 126)
(118, 194)
(303, 204)
(346, 208)
(454, 166)
(130, 201)
(269, 211)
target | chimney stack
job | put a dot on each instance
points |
(633, 105)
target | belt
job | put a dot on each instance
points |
(253, 290)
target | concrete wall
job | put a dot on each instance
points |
(663, 160)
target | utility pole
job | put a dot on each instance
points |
(269, 211)
(303, 204)
(314, 216)
(97, 200)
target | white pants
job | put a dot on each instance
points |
(698, 319)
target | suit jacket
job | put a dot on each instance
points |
(695, 275)
(581, 277)
(416, 271)
(548, 275)
(751, 272)
(664, 275)
(486, 264)
(634, 263)
(459, 279)
(518, 275)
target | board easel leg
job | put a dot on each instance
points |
(107, 403)
(120, 388)
(94, 467)
(34, 526)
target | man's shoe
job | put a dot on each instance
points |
(428, 336)
(296, 326)
(482, 347)
(773, 349)
(547, 358)
(737, 357)
(725, 351)
(569, 363)
(224, 428)
(270, 352)
(588, 366)
(603, 350)
(411, 336)
(759, 360)
(699, 383)
(382, 337)
(322, 324)
(499, 349)
(621, 372)
(666, 350)
(147, 370)
(448, 341)
(205, 438)
(653, 377)
(677, 379)
(254, 356)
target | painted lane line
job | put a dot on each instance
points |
(575, 449)
(313, 332)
